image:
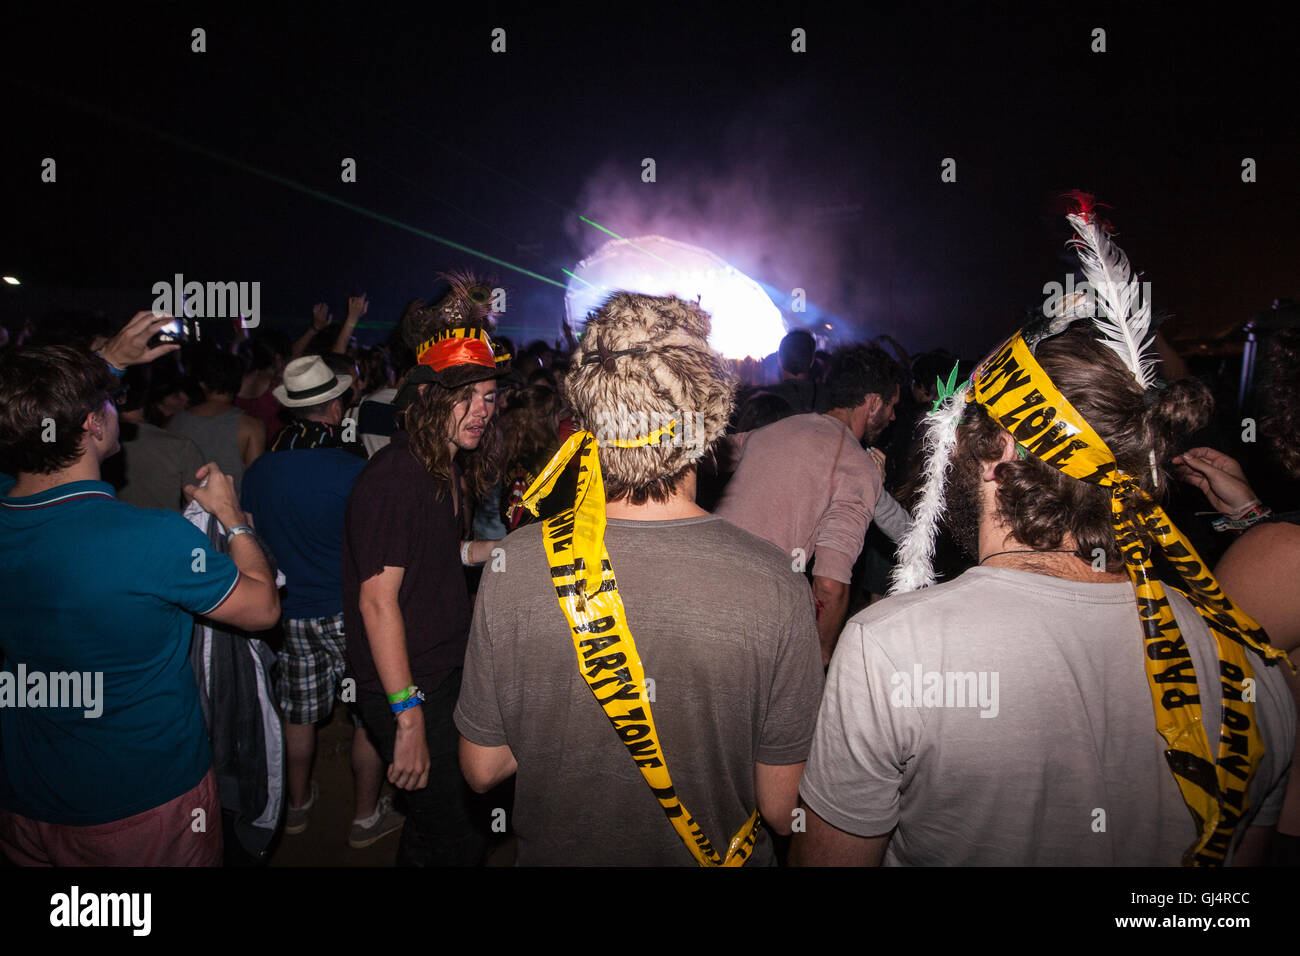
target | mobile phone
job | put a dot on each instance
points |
(181, 330)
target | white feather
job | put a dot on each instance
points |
(1126, 329)
(915, 568)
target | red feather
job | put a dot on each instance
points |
(1085, 205)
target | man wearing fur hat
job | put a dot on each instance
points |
(406, 605)
(697, 643)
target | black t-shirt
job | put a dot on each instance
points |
(395, 518)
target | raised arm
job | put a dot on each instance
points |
(320, 317)
(357, 306)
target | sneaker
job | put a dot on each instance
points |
(378, 825)
(295, 821)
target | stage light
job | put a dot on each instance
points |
(11, 280)
(746, 324)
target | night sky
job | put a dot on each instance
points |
(819, 169)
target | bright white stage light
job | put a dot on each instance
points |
(745, 322)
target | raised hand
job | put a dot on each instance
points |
(131, 345)
(320, 316)
(357, 306)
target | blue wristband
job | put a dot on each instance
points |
(413, 701)
(119, 372)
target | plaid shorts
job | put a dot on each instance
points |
(311, 666)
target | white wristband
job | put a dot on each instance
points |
(464, 554)
(1245, 509)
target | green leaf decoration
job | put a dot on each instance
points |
(946, 391)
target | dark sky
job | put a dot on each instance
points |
(819, 170)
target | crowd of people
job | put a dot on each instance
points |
(463, 543)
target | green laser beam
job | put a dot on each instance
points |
(600, 227)
(411, 183)
(384, 113)
(578, 277)
(307, 190)
(476, 161)
(628, 241)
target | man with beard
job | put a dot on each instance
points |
(806, 484)
(1023, 714)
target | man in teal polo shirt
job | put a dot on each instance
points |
(104, 758)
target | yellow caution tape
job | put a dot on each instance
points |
(607, 656)
(1020, 395)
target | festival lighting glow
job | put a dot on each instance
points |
(746, 324)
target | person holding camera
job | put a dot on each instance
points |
(104, 757)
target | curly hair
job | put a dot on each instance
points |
(676, 377)
(1042, 505)
(57, 385)
(430, 423)
(1280, 378)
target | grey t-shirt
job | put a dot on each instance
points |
(726, 631)
(155, 466)
(217, 437)
(1044, 749)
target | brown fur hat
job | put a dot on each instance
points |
(667, 373)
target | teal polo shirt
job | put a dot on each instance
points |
(93, 587)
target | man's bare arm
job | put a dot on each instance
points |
(824, 845)
(833, 603)
(485, 767)
(386, 634)
(776, 788)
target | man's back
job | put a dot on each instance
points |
(155, 465)
(726, 633)
(806, 482)
(1012, 713)
(217, 436)
(96, 589)
(298, 499)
